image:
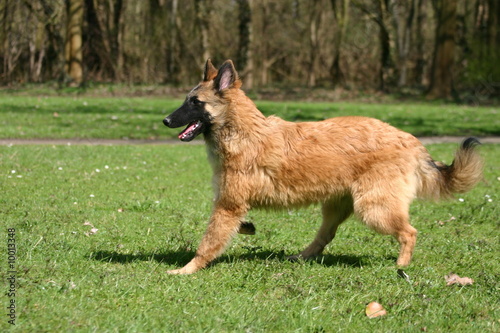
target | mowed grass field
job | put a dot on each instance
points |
(150, 206)
(65, 117)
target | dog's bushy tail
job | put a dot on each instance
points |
(439, 181)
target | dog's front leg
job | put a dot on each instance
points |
(224, 224)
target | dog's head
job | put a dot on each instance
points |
(205, 102)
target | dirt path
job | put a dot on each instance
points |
(113, 142)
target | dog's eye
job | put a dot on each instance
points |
(195, 101)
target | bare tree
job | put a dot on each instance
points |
(403, 12)
(341, 14)
(314, 40)
(442, 73)
(420, 61)
(73, 48)
(203, 12)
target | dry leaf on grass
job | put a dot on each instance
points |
(374, 310)
(455, 279)
(91, 231)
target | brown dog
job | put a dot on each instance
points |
(348, 164)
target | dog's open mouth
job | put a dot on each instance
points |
(192, 130)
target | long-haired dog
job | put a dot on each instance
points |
(350, 165)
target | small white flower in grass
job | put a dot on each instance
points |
(85, 103)
(19, 176)
(106, 167)
(92, 196)
(157, 202)
(498, 178)
(13, 171)
(490, 200)
(461, 199)
(60, 168)
(487, 196)
(97, 170)
(74, 203)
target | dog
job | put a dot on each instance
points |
(350, 165)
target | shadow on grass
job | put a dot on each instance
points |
(180, 258)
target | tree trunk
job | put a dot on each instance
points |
(73, 48)
(245, 54)
(245, 18)
(403, 13)
(385, 48)
(420, 62)
(314, 23)
(117, 38)
(172, 65)
(441, 74)
(341, 16)
(96, 50)
(6, 42)
(203, 12)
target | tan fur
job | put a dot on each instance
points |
(348, 164)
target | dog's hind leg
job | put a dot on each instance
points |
(334, 213)
(389, 215)
(224, 224)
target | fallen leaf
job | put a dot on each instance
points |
(374, 310)
(455, 279)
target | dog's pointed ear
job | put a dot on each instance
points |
(227, 77)
(210, 71)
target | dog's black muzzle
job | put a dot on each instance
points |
(194, 116)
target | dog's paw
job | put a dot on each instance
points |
(175, 271)
(188, 269)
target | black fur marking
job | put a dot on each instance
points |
(470, 143)
(190, 112)
(439, 167)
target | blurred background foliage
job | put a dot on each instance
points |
(441, 48)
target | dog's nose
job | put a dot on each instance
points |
(167, 121)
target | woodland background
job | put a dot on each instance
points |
(441, 48)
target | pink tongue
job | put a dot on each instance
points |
(187, 130)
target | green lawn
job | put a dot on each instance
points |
(140, 118)
(150, 205)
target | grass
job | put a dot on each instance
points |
(85, 117)
(150, 205)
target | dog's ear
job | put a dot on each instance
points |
(210, 71)
(227, 77)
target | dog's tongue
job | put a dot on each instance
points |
(186, 134)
